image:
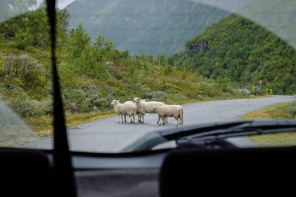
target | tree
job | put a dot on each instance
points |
(79, 40)
(103, 48)
(33, 28)
(63, 17)
(162, 60)
(171, 61)
(37, 28)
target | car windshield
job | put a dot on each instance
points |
(128, 68)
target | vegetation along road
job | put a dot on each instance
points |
(106, 135)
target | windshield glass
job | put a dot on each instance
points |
(129, 68)
(25, 82)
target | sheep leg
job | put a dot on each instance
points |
(163, 121)
(130, 119)
(181, 116)
(177, 120)
(125, 118)
(143, 118)
(122, 118)
(166, 119)
(118, 118)
(158, 119)
(139, 117)
(134, 117)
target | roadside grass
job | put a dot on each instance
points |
(15, 136)
(43, 127)
(74, 119)
(283, 111)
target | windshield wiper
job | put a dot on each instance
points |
(180, 132)
(234, 129)
(210, 131)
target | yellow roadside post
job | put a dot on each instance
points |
(270, 92)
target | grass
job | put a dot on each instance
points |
(15, 136)
(268, 113)
(80, 118)
(278, 112)
(42, 126)
(278, 139)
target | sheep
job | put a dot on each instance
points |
(117, 108)
(164, 111)
(145, 107)
(134, 104)
(124, 109)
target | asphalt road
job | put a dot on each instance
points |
(106, 135)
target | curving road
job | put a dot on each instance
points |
(106, 135)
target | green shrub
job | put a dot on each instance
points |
(24, 107)
(291, 110)
(21, 103)
(23, 71)
(156, 95)
(85, 100)
(2, 37)
(20, 41)
(46, 106)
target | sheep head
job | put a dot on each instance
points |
(153, 109)
(136, 100)
(114, 102)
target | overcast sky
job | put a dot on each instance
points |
(60, 3)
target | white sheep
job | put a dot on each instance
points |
(134, 104)
(145, 107)
(164, 111)
(127, 108)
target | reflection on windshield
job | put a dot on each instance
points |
(275, 15)
(13, 131)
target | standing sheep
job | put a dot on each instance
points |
(136, 110)
(127, 108)
(145, 107)
(175, 111)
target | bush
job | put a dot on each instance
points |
(24, 107)
(23, 70)
(156, 95)
(21, 103)
(2, 37)
(291, 110)
(20, 41)
(46, 106)
(85, 100)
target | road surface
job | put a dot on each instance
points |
(106, 135)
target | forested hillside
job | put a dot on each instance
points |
(92, 74)
(149, 27)
(242, 51)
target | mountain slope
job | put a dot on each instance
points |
(243, 51)
(169, 35)
(152, 27)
